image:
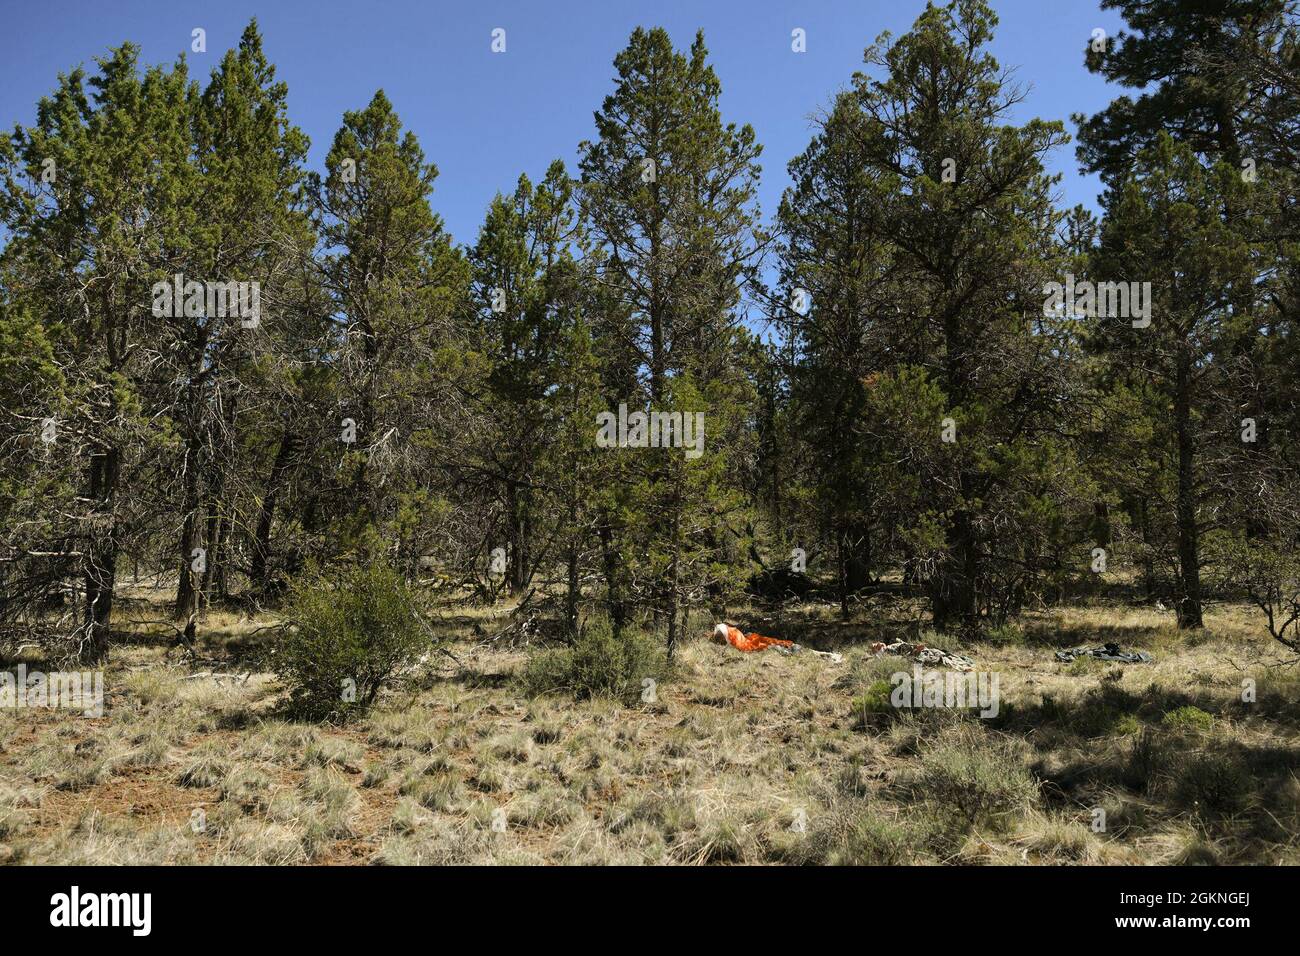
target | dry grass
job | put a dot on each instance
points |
(741, 759)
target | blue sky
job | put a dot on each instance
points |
(484, 118)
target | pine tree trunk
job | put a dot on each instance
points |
(517, 507)
(101, 558)
(674, 580)
(186, 585)
(214, 574)
(955, 599)
(1148, 566)
(1189, 565)
(855, 563)
(266, 513)
(614, 594)
(571, 593)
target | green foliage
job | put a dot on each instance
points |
(31, 390)
(1213, 784)
(351, 635)
(923, 247)
(1148, 758)
(1212, 104)
(926, 383)
(872, 703)
(398, 287)
(599, 664)
(853, 833)
(1165, 225)
(974, 778)
(1007, 634)
(669, 192)
(529, 300)
(1268, 568)
(1126, 725)
(1188, 719)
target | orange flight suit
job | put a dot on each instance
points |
(753, 642)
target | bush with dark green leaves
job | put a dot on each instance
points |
(349, 637)
(599, 663)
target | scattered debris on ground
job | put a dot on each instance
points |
(933, 656)
(1104, 652)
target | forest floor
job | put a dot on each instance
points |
(761, 758)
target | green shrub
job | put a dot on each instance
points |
(598, 664)
(1126, 726)
(1083, 666)
(1188, 718)
(872, 703)
(872, 841)
(1213, 785)
(851, 833)
(1146, 762)
(974, 778)
(348, 639)
(875, 699)
(1006, 634)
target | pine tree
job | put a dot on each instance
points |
(835, 262)
(1185, 56)
(242, 225)
(1165, 225)
(87, 194)
(526, 278)
(966, 214)
(398, 286)
(668, 191)
(573, 470)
